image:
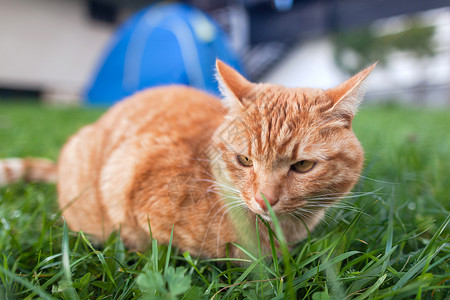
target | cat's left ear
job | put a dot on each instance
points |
(233, 86)
(348, 95)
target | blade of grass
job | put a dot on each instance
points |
(26, 284)
(435, 237)
(273, 248)
(352, 223)
(368, 275)
(255, 259)
(415, 269)
(168, 251)
(188, 258)
(259, 255)
(390, 232)
(372, 289)
(240, 279)
(155, 256)
(298, 282)
(101, 258)
(217, 278)
(284, 250)
(66, 263)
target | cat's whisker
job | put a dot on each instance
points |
(214, 182)
(229, 208)
(320, 208)
(219, 184)
(322, 218)
(345, 195)
(225, 195)
(306, 214)
(225, 198)
(375, 180)
(348, 194)
(298, 217)
(342, 207)
(212, 219)
(326, 219)
(311, 213)
(330, 204)
(219, 200)
(215, 188)
(330, 195)
(337, 218)
(233, 203)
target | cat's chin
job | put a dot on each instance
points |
(265, 217)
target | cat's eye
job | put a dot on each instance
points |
(303, 166)
(244, 160)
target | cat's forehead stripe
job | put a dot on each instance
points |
(279, 124)
(294, 152)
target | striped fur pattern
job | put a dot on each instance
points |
(175, 156)
(28, 169)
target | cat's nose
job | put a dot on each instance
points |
(260, 200)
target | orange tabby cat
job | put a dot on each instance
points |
(175, 156)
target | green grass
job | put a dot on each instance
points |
(392, 244)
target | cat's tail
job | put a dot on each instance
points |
(27, 169)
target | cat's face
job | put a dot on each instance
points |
(295, 147)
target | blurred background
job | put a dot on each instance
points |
(98, 51)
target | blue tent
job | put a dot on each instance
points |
(162, 44)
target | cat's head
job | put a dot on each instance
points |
(295, 146)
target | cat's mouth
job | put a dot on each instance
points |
(279, 211)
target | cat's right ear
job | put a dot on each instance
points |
(347, 96)
(233, 86)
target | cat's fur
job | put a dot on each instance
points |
(167, 157)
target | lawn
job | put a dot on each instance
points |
(388, 240)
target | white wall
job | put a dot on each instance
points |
(50, 45)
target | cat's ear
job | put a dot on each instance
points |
(347, 96)
(233, 86)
